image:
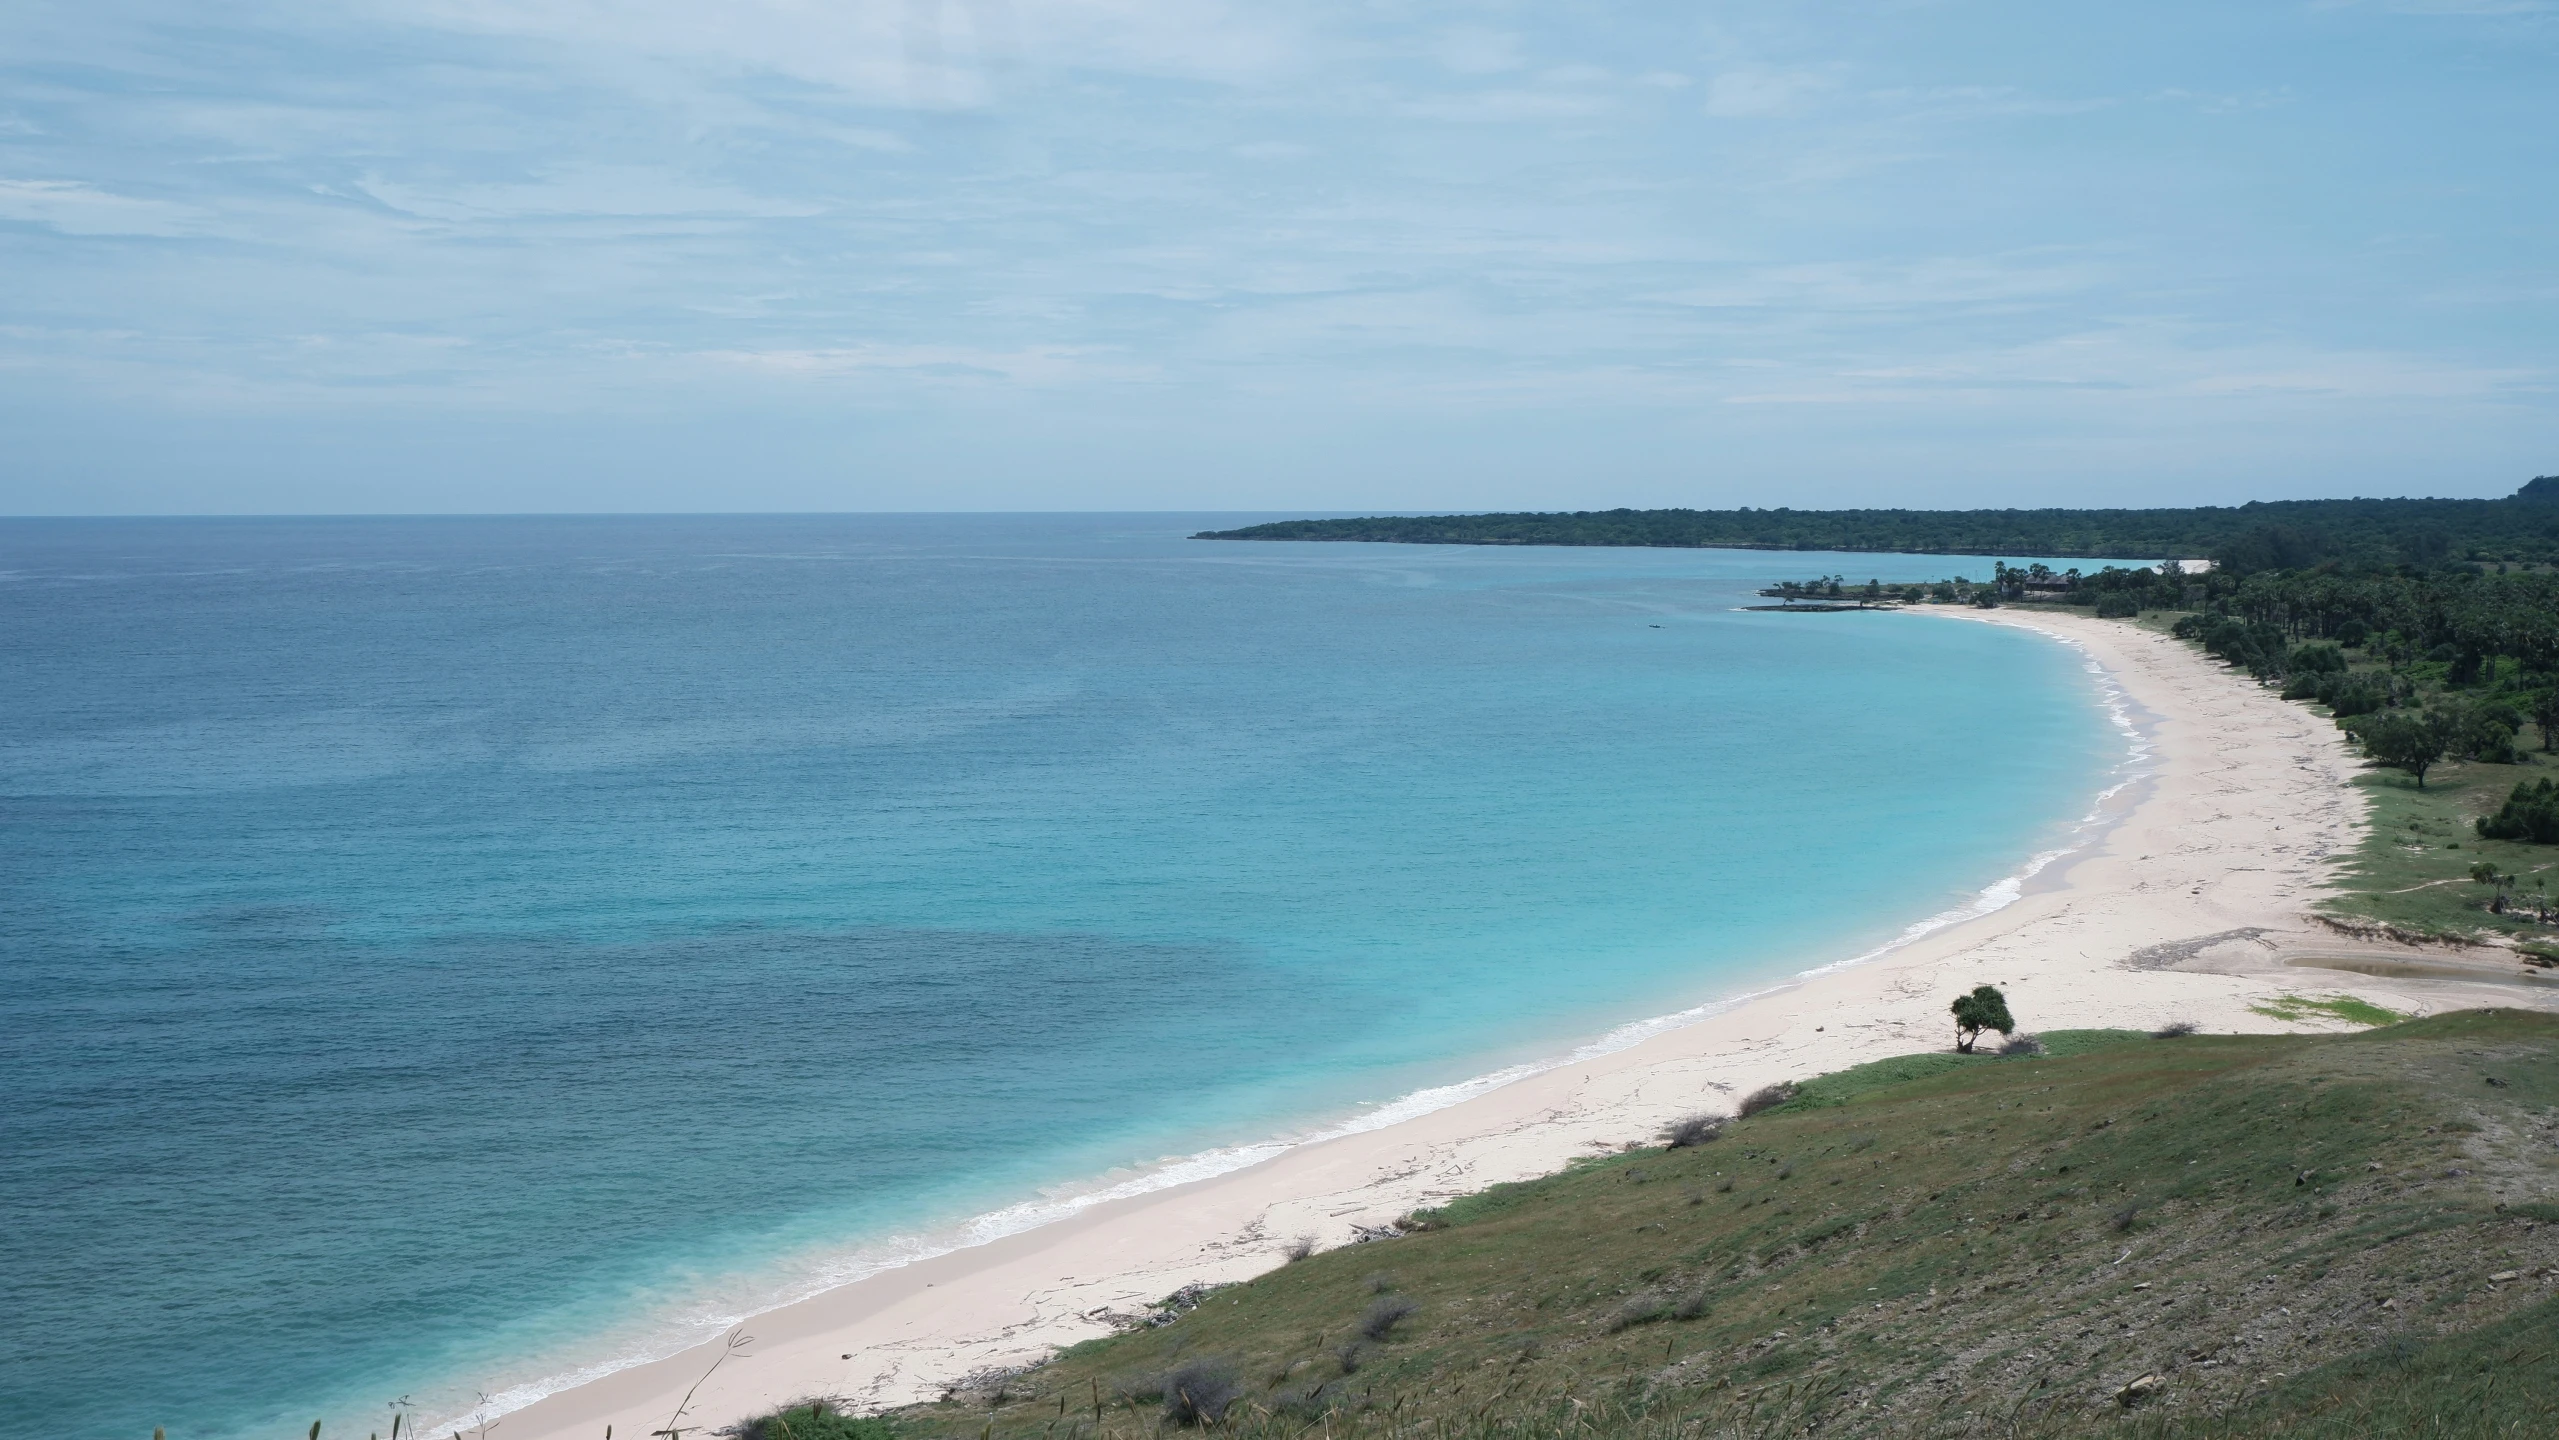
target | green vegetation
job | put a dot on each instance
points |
(2258, 536)
(813, 1420)
(2531, 813)
(1984, 1009)
(2316, 1236)
(2416, 872)
(2294, 1008)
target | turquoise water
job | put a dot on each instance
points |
(447, 956)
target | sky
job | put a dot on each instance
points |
(661, 255)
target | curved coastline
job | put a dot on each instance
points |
(1063, 1202)
(1008, 1285)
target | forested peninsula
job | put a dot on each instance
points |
(2261, 535)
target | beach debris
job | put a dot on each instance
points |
(987, 1385)
(2134, 1393)
(1364, 1234)
(1178, 1304)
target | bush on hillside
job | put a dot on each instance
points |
(1201, 1392)
(2021, 1045)
(2174, 1030)
(1385, 1315)
(1693, 1131)
(1639, 1310)
(1767, 1097)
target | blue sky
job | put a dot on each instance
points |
(482, 255)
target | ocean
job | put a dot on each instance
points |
(444, 958)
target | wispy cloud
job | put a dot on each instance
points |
(77, 209)
(993, 221)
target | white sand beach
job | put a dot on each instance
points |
(2188, 905)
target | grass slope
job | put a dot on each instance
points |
(2306, 1236)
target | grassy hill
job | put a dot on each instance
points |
(2330, 1236)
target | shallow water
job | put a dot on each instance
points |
(459, 954)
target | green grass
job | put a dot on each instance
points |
(2295, 1008)
(2412, 870)
(815, 1420)
(1943, 1246)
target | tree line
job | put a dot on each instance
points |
(2261, 535)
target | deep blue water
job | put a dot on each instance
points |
(443, 954)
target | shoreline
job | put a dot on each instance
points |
(2218, 773)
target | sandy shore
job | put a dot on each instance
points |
(2189, 905)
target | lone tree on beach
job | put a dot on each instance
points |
(1984, 1009)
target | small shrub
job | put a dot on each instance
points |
(2174, 1030)
(2122, 1220)
(1385, 1315)
(1139, 1389)
(1726, 1188)
(1691, 1306)
(2021, 1045)
(1349, 1354)
(1694, 1131)
(1767, 1097)
(1299, 1248)
(812, 1420)
(1640, 1310)
(1200, 1392)
(1300, 1402)
(1379, 1283)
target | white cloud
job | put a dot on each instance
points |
(77, 209)
(604, 190)
(925, 54)
(1816, 286)
(1035, 365)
